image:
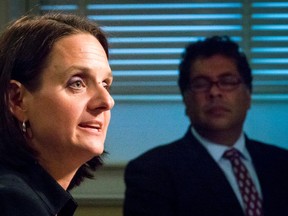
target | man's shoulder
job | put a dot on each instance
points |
(265, 145)
(267, 149)
(163, 149)
(165, 155)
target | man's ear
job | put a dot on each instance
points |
(248, 94)
(16, 95)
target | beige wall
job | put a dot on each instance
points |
(12, 9)
(3, 13)
(103, 211)
(103, 195)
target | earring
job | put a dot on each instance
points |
(24, 127)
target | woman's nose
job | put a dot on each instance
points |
(101, 99)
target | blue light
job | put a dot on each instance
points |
(272, 83)
(149, 73)
(270, 49)
(145, 62)
(160, 39)
(270, 38)
(269, 61)
(158, 98)
(271, 97)
(270, 16)
(145, 84)
(270, 4)
(152, 39)
(270, 27)
(172, 28)
(178, 97)
(270, 72)
(161, 6)
(59, 7)
(151, 51)
(164, 17)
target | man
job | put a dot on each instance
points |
(215, 169)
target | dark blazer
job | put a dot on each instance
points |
(31, 191)
(182, 179)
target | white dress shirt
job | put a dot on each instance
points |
(216, 150)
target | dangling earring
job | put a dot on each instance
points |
(24, 127)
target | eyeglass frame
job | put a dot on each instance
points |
(210, 83)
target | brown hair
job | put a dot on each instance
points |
(24, 49)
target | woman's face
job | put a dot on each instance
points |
(70, 113)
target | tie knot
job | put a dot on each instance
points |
(231, 154)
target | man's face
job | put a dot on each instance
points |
(217, 109)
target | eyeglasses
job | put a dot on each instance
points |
(225, 83)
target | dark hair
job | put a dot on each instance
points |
(25, 46)
(222, 45)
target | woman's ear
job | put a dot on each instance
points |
(16, 95)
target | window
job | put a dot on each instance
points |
(148, 37)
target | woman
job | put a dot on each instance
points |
(55, 111)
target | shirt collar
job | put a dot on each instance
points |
(216, 150)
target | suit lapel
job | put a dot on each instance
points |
(263, 170)
(210, 173)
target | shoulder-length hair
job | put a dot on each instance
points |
(24, 49)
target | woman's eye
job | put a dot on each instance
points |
(77, 84)
(106, 86)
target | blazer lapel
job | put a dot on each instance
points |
(263, 169)
(211, 174)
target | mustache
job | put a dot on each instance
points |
(217, 105)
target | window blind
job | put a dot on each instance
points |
(269, 48)
(148, 37)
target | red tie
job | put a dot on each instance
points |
(251, 198)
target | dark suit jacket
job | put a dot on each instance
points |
(31, 191)
(183, 179)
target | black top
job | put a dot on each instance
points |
(32, 191)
